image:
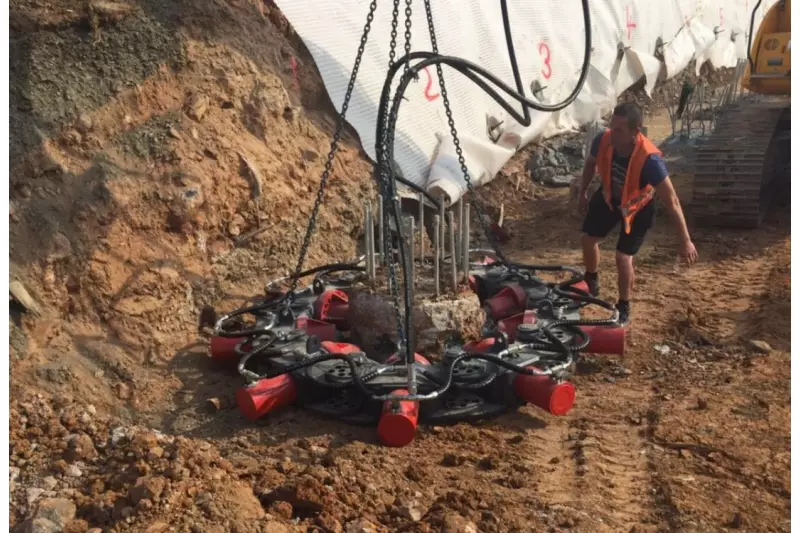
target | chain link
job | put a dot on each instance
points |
(393, 41)
(312, 222)
(456, 143)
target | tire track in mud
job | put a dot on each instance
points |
(595, 463)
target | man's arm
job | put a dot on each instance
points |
(666, 191)
(589, 167)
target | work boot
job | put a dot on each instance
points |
(593, 283)
(624, 309)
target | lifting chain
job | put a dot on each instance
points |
(340, 123)
(456, 143)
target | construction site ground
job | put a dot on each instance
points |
(165, 156)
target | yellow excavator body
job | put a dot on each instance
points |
(744, 166)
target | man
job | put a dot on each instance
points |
(632, 172)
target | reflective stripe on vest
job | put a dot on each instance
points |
(634, 198)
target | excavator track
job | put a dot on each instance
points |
(738, 167)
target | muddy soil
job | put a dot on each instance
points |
(165, 156)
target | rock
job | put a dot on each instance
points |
(196, 106)
(310, 155)
(662, 349)
(50, 482)
(73, 471)
(235, 225)
(558, 180)
(412, 511)
(77, 526)
(761, 346)
(60, 248)
(40, 525)
(282, 509)
(59, 511)
(147, 487)
(360, 526)
(702, 404)
(80, 448)
(455, 523)
(33, 494)
(122, 391)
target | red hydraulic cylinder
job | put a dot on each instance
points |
(607, 340)
(509, 325)
(332, 306)
(480, 346)
(398, 424)
(582, 285)
(266, 395)
(545, 393)
(509, 301)
(223, 348)
(324, 331)
(340, 348)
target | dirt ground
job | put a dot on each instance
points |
(166, 156)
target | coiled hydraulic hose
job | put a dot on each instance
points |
(277, 300)
(388, 123)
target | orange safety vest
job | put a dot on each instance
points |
(633, 198)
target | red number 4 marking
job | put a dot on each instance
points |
(629, 23)
(429, 85)
(544, 51)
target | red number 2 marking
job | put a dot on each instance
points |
(544, 51)
(428, 86)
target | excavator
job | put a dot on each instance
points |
(744, 166)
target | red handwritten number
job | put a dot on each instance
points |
(722, 20)
(544, 51)
(295, 80)
(428, 86)
(629, 23)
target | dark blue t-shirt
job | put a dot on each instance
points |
(653, 172)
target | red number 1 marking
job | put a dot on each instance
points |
(295, 80)
(544, 51)
(428, 86)
(721, 19)
(629, 23)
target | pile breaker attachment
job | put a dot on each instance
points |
(295, 348)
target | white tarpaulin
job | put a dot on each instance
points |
(549, 43)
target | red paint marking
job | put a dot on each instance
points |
(721, 19)
(629, 21)
(428, 86)
(295, 80)
(545, 51)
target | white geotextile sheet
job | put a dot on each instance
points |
(549, 43)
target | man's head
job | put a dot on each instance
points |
(625, 123)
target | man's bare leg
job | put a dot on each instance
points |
(625, 278)
(591, 261)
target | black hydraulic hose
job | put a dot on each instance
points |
(750, 38)
(388, 124)
(274, 302)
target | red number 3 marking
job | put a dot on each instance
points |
(428, 86)
(544, 51)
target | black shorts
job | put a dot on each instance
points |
(600, 220)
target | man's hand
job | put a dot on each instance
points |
(583, 202)
(688, 252)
